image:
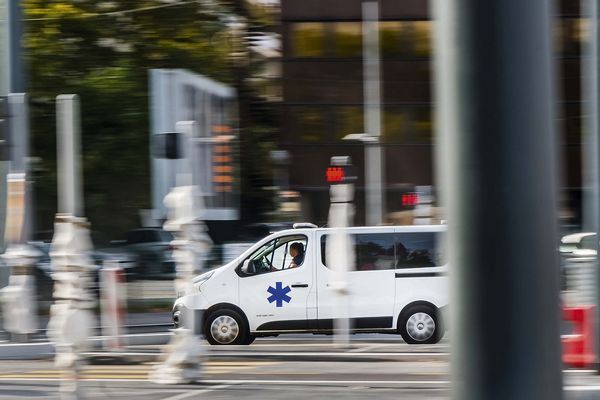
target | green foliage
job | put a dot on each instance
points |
(102, 52)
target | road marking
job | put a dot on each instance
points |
(132, 372)
(325, 382)
(196, 392)
(222, 384)
(328, 354)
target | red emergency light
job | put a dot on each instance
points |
(335, 174)
(410, 199)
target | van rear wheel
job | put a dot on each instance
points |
(226, 327)
(420, 325)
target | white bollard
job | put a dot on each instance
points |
(71, 319)
(340, 255)
(112, 306)
(182, 361)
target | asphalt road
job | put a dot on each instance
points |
(296, 367)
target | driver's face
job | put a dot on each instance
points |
(293, 252)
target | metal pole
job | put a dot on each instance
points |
(70, 200)
(19, 145)
(497, 164)
(589, 142)
(374, 156)
(590, 85)
(15, 33)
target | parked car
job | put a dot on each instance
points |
(150, 252)
(578, 244)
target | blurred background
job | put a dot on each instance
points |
(276, 88)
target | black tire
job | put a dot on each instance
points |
(424, 318)
(250, 339)
(242, 336)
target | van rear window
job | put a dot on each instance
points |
(381, 251)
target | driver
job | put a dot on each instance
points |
(297, 253)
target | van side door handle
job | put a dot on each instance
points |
(296, 285)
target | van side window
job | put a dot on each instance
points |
(373, 251)
(420, 249)
(380, 251)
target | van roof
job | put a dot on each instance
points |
(402, 228)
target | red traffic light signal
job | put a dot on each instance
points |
(410, 199)
(335, 174)
(340, 170)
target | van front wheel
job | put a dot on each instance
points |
(225, 327)
(420, 325)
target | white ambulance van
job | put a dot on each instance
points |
(398, 286)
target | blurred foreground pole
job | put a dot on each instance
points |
(340, 251)
(18, 298)
(374, 155)
(496, 157)
(590, 86)
(71, 319)
(183, 356)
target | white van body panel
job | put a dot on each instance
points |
(371, 293)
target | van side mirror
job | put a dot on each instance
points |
(248, 267)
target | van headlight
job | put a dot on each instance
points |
(196, 282)
(199, 280)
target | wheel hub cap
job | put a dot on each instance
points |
(224, 329)
(420, 326)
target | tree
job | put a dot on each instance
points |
(102, 51)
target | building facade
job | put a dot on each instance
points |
(322, 86)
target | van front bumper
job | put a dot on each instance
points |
(195, 317)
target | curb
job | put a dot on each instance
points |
(140, 357)
(45, 350)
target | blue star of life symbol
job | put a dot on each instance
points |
(279, 294)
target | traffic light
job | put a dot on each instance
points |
(410, 199)
(4, 129)
(166, 145)
(340, 171)
(222, 163)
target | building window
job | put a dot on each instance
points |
(421, 38)
(570, 35)
(407, 124)
(308, 39)
(405, 39)
(348, 119)
(310, 123)
(347, 39)
(423, 125)
(395, 124)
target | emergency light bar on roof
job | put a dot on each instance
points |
(300, 225)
